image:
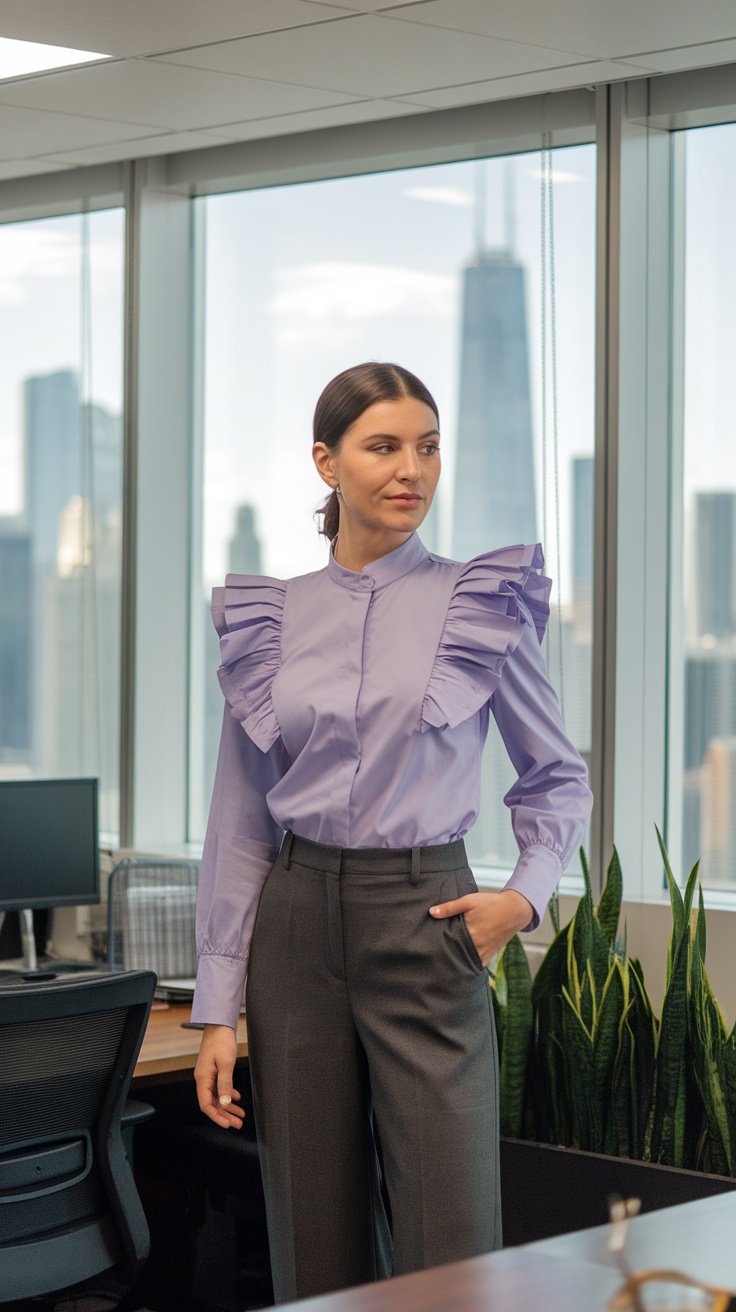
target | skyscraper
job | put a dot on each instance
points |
(52, 457)
(15, 641)
(494, 498)
(494, 501)
(710, 685)
(714, 579)
(582, 546)
(244, 550)
(73, 518)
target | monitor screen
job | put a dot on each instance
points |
(49, 853)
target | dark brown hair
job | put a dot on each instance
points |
(343, 401)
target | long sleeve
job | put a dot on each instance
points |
(240, 846)
(551, 800)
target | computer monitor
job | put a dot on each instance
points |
(49, 847)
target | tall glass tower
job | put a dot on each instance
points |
(494, 499)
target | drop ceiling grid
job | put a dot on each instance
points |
(597, 29)
(164, 96)
(143, 27)
(373, 56)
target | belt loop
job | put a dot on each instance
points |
(415, 865)
(286, 847)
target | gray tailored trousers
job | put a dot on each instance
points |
(374, 1067)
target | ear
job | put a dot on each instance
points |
(324, 462)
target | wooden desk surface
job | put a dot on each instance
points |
(572, 1273)
(168, 1050)
(513, 1280)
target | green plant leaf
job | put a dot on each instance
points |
(514, 1055)
(609, 907)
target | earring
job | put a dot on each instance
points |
(337, 489)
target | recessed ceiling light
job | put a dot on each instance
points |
(20, 57)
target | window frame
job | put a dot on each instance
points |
(637, 427)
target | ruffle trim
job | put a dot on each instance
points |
(247, 614)
(482, 628)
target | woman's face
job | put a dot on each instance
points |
(387, 466)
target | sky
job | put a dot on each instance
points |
(305, 281)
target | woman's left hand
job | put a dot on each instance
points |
(492, 918)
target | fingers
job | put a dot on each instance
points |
(456, 907)
(227, 1113)
(217, 1097)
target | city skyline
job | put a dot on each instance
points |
(288, 304)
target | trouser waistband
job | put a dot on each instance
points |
(412, 861)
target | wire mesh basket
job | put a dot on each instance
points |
(151, 908)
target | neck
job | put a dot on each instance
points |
(357, 547)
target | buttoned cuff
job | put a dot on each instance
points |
(536, 874)
(218, 994)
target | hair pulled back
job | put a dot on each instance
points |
(343, 401)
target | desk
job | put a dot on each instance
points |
(572, 1273)
(169, 1052)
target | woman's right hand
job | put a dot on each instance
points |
(214, 1077)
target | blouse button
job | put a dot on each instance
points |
(366, 582)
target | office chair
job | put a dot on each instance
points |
(150, 916)
(69, 1207)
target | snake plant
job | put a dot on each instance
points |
(585, 1062)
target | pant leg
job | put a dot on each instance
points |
(310, 1094)
(422, 1007)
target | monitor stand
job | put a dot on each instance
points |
(28, 940)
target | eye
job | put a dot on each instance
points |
(383, 446)
(431, 448)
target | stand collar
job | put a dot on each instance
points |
(387, 569)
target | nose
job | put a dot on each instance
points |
(409, 470)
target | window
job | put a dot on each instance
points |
(704, 643)
(479, 277)
(61, 371)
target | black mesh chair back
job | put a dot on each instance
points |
(69, 1207)
(150, 916)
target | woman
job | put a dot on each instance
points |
(358, 704)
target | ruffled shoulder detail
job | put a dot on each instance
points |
(247, 614)
(494, 596)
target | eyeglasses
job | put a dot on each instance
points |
(657, 1291)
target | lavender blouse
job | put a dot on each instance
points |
(357, 710)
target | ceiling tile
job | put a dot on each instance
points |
(24, 168)
(363, 111)
(372, 6)
(162, 94)
(526, 84)
(700, 56)
(371, 55)
(139, 148)
(137, 27)
(32, 132)
(591, 27)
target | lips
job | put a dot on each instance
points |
(411, 500)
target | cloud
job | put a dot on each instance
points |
(557, 175)
(441, 196)
(333, 299)
(31, 251)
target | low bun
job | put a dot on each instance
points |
(330, 510)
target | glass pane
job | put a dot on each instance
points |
(477, 276)
(61, 388)
(708, 644)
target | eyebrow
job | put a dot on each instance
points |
(372, 437)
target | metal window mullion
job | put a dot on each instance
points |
(130, 451)
(608, 120)
(633, 498)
